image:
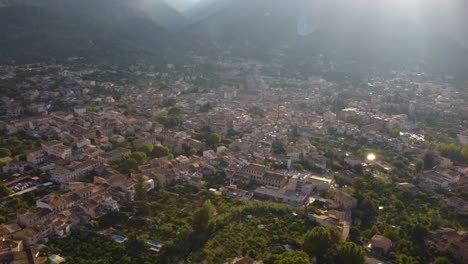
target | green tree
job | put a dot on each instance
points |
(136, 244)
(296, 257)
(419, 232)
(429, 161)
(404, 259)
(358, 183)
(395, 133)
(139, 156)
(205, 129)
(347, 253)
(256, 111)
(464, 153)
(214, 139)
(67, 142)
(419, 165)
(297, 167)
(202, 219)
(442, 260)
(174, 111)
(131, 164)
(14, 142)
(4, 191)
(277, 147)
(193, 151)
(4, 152)
(92, 109)
(140, 192)
(161, 151)
(29, 198)
(451, 151)
(126, 165)
(94, 223)
(47, 251)
(319, 240)
(130, 139)
(146, 148)
(358, 169)
(169, 122)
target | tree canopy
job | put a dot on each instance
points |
(4, 191)
(319, 240)
(296, 257)
(146, 148)
(202, 218)
(256, 111)
(139, 156)
(214, 139)
(429, 161)
(4, 152)
(298, 166)
(453, 152)
(395, 133)
(174, 111)
(277, 147)
(140, 192)
(212, 233)
(161, 151)
(131, 163)
(346, 253)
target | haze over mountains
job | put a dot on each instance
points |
(387, 31)
(393, 31)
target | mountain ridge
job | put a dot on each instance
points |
(37, 30)
(371, 34)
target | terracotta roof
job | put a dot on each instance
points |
(6, 230)
(274, 176)
(379, 241)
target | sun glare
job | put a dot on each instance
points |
(371, 157)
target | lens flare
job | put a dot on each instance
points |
(371, 157)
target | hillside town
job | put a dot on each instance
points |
(81, 145)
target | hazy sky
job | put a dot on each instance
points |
(182, 5)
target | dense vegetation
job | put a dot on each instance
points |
(16, 145)
(403, 218)
(191, 230)
(206, 135)
(453, 152)
(173, 118)
(130, 163)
